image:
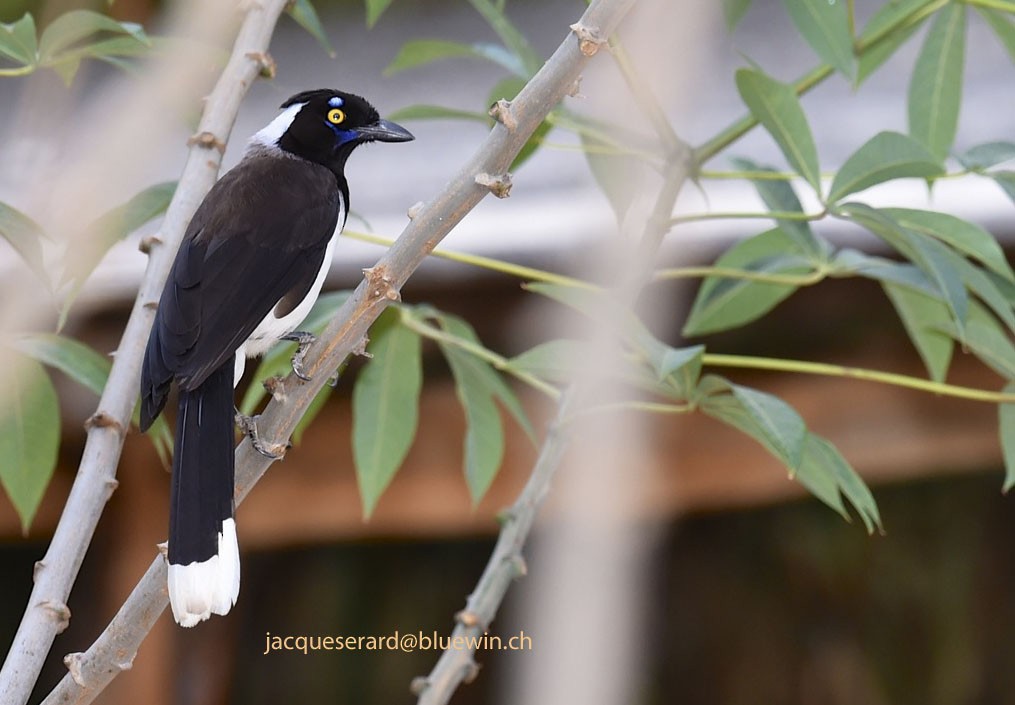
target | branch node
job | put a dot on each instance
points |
(361, 347)
(379, 284)
(267, 68)
(467, 618)
(575, 91)
(59, 613)
(151, 305)
(147, 243)
(37, 569)
(208, 141)
(519, 568)
(414, 210)
(111, 485)
(499, 186)
(471, 671)
(275, 387)
(163, 549)
(100, 419)
(73, 663)
(589, 38)
(502, 113)
(418, 685)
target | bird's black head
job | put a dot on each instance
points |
(324, 126)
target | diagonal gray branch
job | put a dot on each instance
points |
(46, 614)
(94, 668)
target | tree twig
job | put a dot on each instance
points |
(457, 665)
(93, 669)
(47, 614)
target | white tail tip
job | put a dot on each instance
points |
(197, 590)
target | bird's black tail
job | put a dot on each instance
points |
(204, 569)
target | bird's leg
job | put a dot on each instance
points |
(304, 341)
(248, 425)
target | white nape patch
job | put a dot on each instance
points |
(197, 590)
(270, 134)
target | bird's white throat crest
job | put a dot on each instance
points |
(270, 134)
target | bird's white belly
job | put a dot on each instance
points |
(272, 328)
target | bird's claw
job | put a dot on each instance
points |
(304, 341)
(248, 425)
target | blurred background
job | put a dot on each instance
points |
(750, 591)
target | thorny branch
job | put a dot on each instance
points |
(47, 614)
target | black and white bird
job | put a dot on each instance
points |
(250, 268)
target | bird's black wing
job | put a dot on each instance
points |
(260, 235)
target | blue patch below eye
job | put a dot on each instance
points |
(342, 135)
(336, 102)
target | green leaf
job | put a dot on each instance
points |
(1006, 180)
(779, 195)
(936, 260)
(554, 360)
(29, 436)
(420, 52)
(90, 369)
(935, 87)
(829, 476)
(724, 303)
(966, 237)
(75, 359)
(1006, 418)
(376, 8)
(306, 17)
(825, 26)
(484, 435)
(886, 156)
(437, 112)
(734, 11)
(924, 317)
(25, 236)
(385, 403)
(1003, 27)
(986, 155)
(848, 261)
(766, 418)
(878, 53)
(496, 385)
(115, 225)
(73, 26)
(514, 40)
(777, 107)
(681, 365)
(17, 40)
(620, 176)
(982, 335)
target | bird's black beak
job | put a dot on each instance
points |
(385, 131)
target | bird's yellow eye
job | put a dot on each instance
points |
(336, 116)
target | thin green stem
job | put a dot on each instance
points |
(19, 70)
(829, 370)
(646, 406)
(1002, 5)
(774, 215)
(495, 265)
(645, 98)
(763, 277)
(749, 175)
(499, 362)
